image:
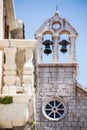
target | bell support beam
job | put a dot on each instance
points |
(55, 48)
(39, 48)
(72, 49)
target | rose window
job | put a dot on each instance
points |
(54, 109)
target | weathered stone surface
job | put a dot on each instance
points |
(60, 82)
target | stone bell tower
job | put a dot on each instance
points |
(56, 81)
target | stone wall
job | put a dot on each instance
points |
(59, 81)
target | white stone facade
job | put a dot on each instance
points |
(21, 88)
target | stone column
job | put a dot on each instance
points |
(28, 69)
(9, 68)
(39, 48)
(55, 48)
(72, 49)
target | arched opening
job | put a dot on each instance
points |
(64, 49)
(47, 58)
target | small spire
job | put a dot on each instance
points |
(57, 12)
(57, 7)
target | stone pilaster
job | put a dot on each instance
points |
(10, 66)
(72, 49)
(39, 48)
(55, 48)
(28, 71)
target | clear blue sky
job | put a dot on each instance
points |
(35, 12)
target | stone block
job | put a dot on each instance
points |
(27, 79)
(61, 124)
(28, 72)
(69, 80)
(10, 80)
(5, 89)
(53, 69)
(80, 124)
(68, 74)
(55, 74)
(61, 70)
(19, 90)
(82, 119)
(74, 124)
(83, 128)
(45, 75)
(64, 128)
(45, 70)
(85, 124)
(10, 72)
(68, 123)
(12, 90)
(78, 128)
(43, 80)
(71, 128)
(70, 118)
(5, 123)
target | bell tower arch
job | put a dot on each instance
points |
(56, 26)
(56, 81)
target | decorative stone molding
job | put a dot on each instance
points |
(28, 71)
(10, 48)
(10, 66)
(51, 109)
(10, 58)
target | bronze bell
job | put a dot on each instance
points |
(47, 44)
(64, 44)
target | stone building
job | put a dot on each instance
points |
(16, 71)
(45, 96)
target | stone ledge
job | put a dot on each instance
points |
(58, 64)
(18, 98)
(81, 88)
(17, 43)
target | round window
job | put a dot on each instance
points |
(54, 109)
(56, 25)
